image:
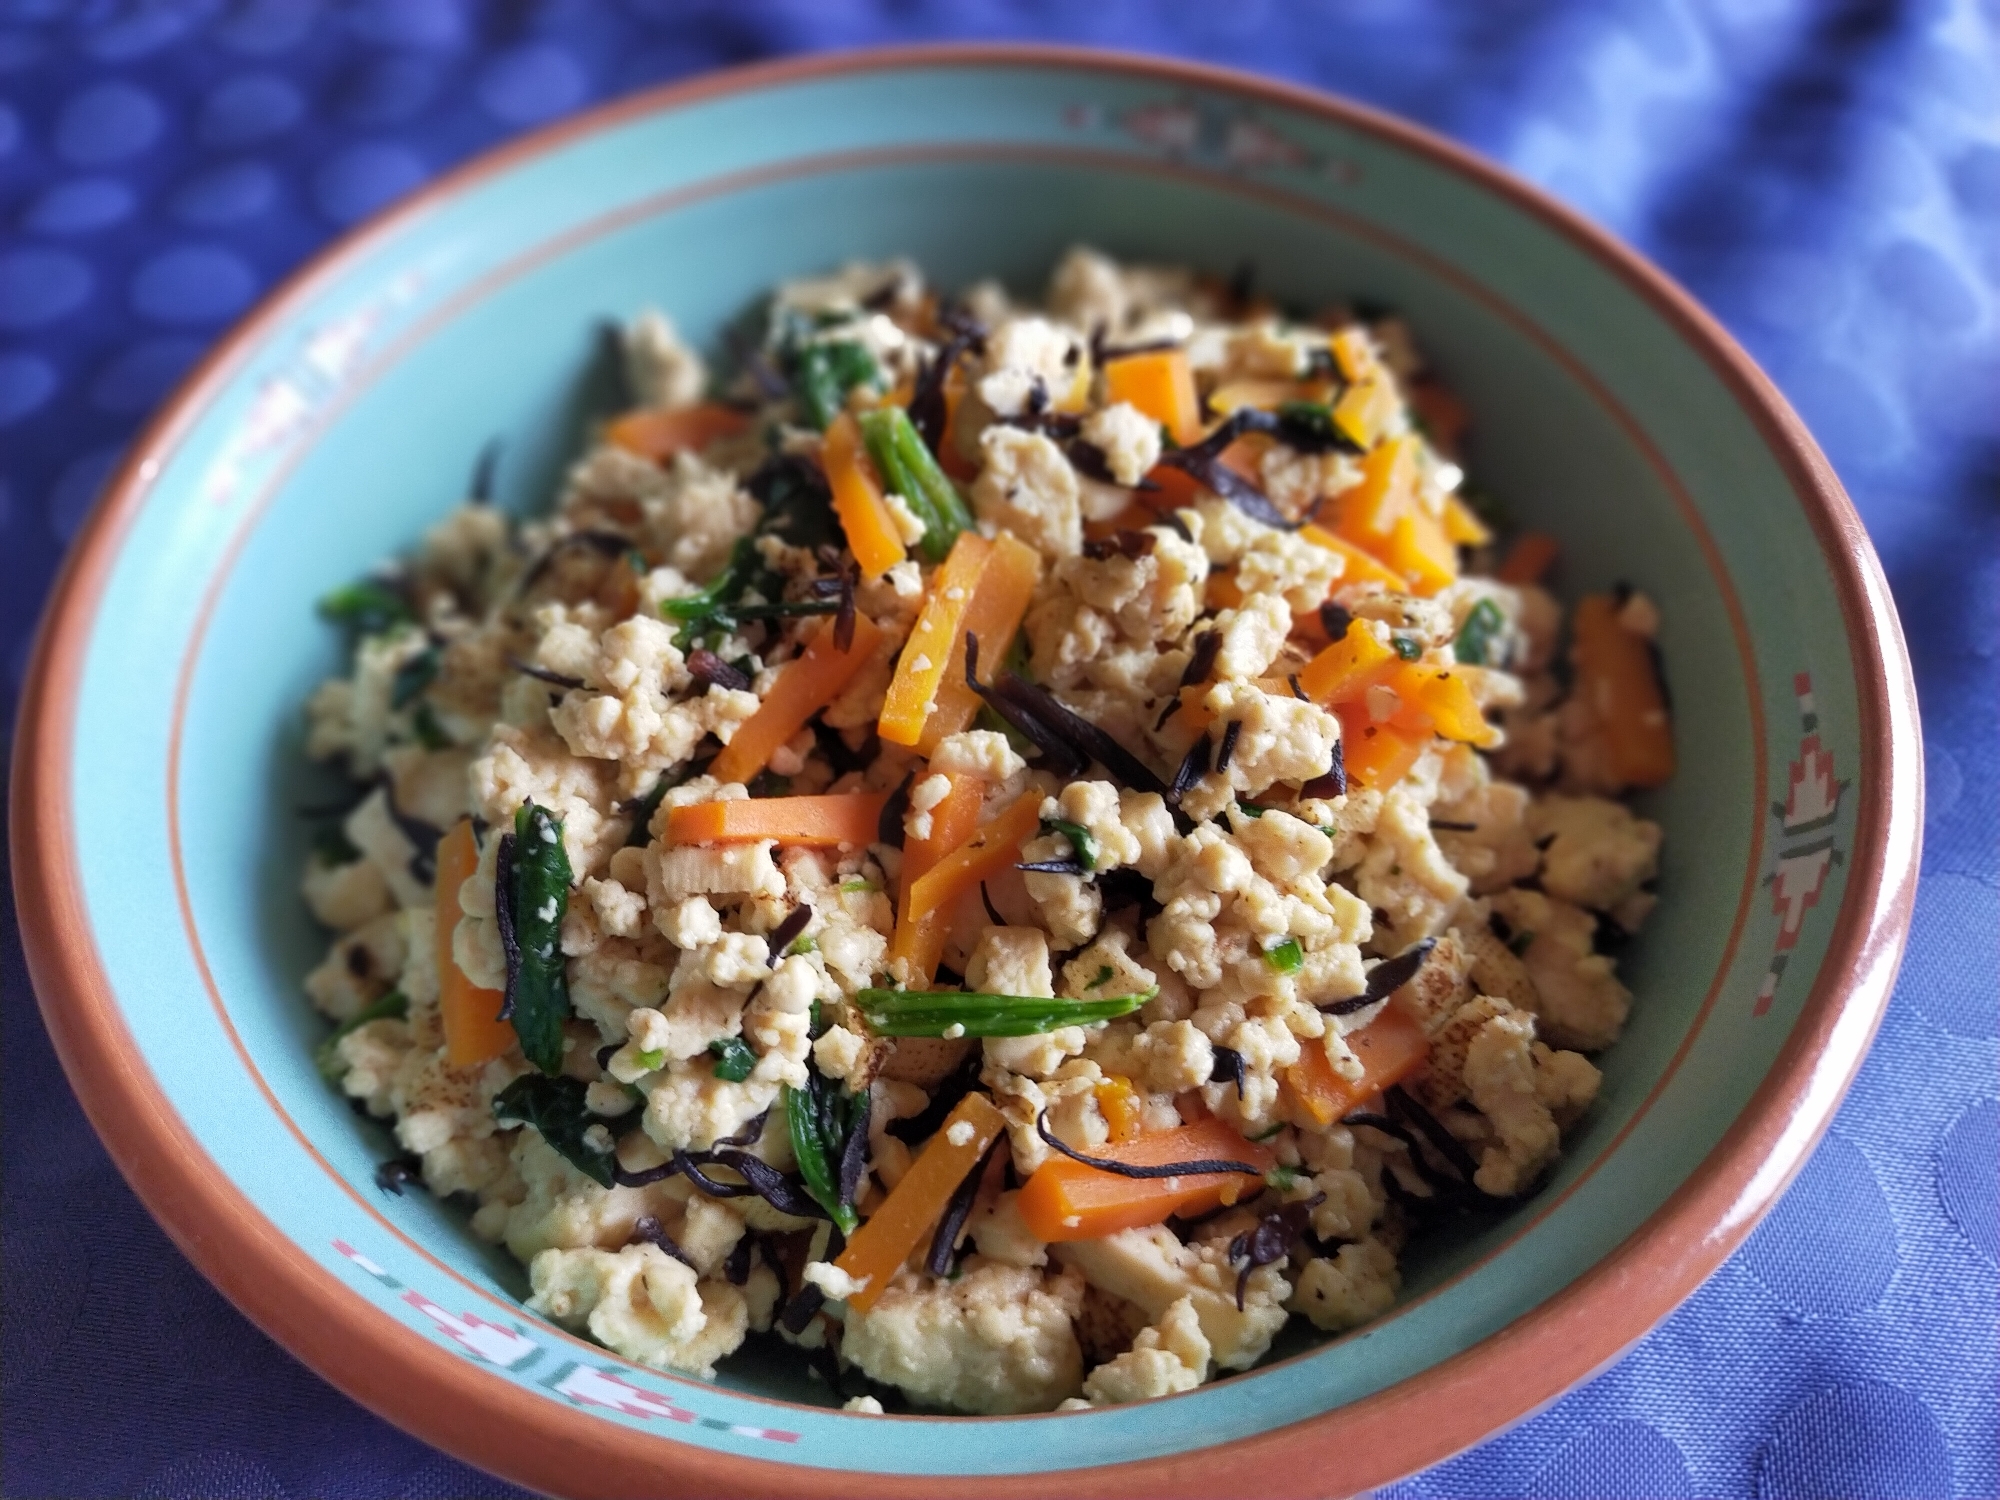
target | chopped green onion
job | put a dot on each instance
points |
(1520, 942)
(1081, 840)
(1406, 647)
(430, 733)
(1270, 1134)
(908, 469)
(1474, 644)
(1281, 1177)
(802, 945)
(367, 607)
(332, 846)
(733, 1058)
(956, 1014)
(1103, 978)
(849, 887)
(655, 1057)
(1286, 957)
(392, 1006)
(823, 374)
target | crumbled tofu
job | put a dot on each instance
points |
(1026, 486)
(1169, 1357)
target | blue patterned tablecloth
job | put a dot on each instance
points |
(1825, 176)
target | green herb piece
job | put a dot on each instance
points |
(531, 896)
(802, 945)
(1407, 647)
(849, 887)
(733, 1058)
(1251, 809)
(1309, 426)
(1474, 644)
(556, 1108)
(413, 676)
(332, 846)
(823, 374)
(1520, 942)
(394, 1005)
(1270, 1134)
(652, 1058)
(1081, 840)
(430, 733)
(1101, 978)
(823, 1120)
(798, 506)
(949, 1012)
(908, 469)
(1281, 1178)
(366, 608)
(1286, 957)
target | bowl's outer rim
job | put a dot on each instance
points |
(456, 1405)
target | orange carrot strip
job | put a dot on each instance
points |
(1366, 512)
(982, 856)
(1529, 559)
(1013, 570)
(1615, 675)
(919, 1198)
(825, 822)
(1066, 1200)
(1161, 385)
(1391, 1047)
(1261, 394)
(857, 500)
(919, 941)
(1352, 352)
(1118, 1102)
(1376, 756)
(1365, 408)
(1462, 524)
(1420, 550)
(1349, 667)
(473, 1032)
(1439, 699)
(1362, 567)
(661, 434)
(808, 683)
(927, 653)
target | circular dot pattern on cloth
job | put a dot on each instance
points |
(1825, 179)
(1829, 1247)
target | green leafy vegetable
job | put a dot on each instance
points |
(908, 469)
(413, 676)
(718, 606)
(946, 1012)
(829, 1133)
(367, 608)
(532, 879)
(733, 1058)
(1281, 1178)
(556, 1108)
(798, 506)
(823, 374)
(1286, 957)
(849, 887)
(394, 1005)
(430, 733)
(1309, 427)
(801, 945)
(1407, 647)
(1474, 644)
(1081, 840)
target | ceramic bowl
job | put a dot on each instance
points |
(156, 847)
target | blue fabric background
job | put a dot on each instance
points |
(1825, 176)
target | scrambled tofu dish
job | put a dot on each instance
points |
(1014, 848)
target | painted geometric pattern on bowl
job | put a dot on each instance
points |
(1807, 848)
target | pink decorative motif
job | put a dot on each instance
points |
(588, 1386)
(492, 1342)
(1808, 851)
(1235, 140)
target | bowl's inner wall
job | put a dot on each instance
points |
(520, 356)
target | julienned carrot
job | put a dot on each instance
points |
(927, 653)
(1160, 384)
(660, 434)
(1419, 549)
(1440, 699)
(1615, 675)
(1462, 524)
(1529, 559)
(918, 942)
(808, 683)
(839, 819)
(918, 1201)
(857, 500)
(1362, 566)
(1118, 1102)
(1364, 409)
(1066, 1200)
(1365, 513)
(473, 1032)
(1349, 667)
(1390, 1048)
(989, 851)
(1006, 584)
(1376, 755)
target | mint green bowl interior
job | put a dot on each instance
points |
(351, 423)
